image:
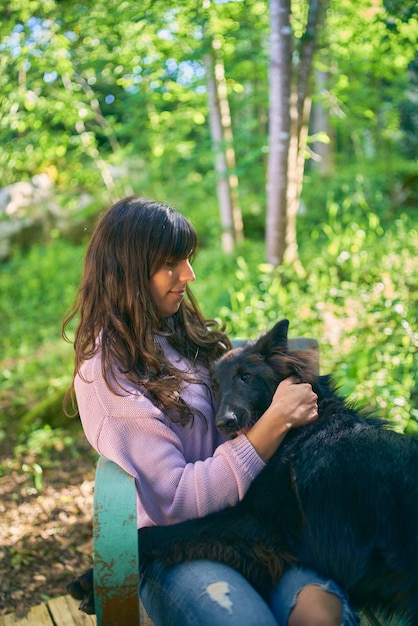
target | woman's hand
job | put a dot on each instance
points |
(294, 404)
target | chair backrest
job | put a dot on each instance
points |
(295, 343)
(115, 541)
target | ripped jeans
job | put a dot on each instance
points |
(207, 593)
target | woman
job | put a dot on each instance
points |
(142, 353)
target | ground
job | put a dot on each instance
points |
(46, 524)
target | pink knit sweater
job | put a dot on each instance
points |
(181, 472)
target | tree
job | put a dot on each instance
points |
(222, 141)
(290, 103)
(279, 129)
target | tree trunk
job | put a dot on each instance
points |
(300, 113)
(221, 169)
(290, 106)
(279, 129)
(222, 142)
(320, 126)
(228, 139)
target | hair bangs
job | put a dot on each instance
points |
(173, 238)
(184, 240)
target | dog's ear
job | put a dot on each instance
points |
(275, 339)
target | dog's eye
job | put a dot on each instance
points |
(245, 376)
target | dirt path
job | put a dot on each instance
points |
(45, 525)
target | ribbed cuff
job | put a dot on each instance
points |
(247, 455)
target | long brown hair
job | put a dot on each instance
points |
(130, 243)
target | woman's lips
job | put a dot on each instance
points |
(178, 294)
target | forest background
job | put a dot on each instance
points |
(177, 101)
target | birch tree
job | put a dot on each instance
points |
(290, 105)
(279, 129)
(222, 143)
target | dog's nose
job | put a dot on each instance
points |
(227, 423)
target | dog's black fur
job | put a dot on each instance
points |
(340, 495)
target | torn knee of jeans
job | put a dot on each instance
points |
(324, 586)
(219, 592)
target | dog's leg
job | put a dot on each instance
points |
(82, 589)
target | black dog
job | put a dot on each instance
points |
(340, 495)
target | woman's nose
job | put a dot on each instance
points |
(186, 272)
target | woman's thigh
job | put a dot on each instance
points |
(201, 593)
(284, 598)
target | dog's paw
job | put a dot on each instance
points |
(82, 589)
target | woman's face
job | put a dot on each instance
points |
(168, 285)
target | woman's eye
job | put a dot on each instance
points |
(170, 264)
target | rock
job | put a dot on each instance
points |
(15, 199)
(28, 213)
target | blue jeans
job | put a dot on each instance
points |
(207, 593)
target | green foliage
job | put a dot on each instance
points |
(370, 47)
(43, 278)
(82, 88)
(43, 443)
(37, 287)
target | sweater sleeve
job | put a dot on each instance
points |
(181, 472)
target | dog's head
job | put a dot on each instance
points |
(245, 379)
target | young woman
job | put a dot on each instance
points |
(142, 353)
